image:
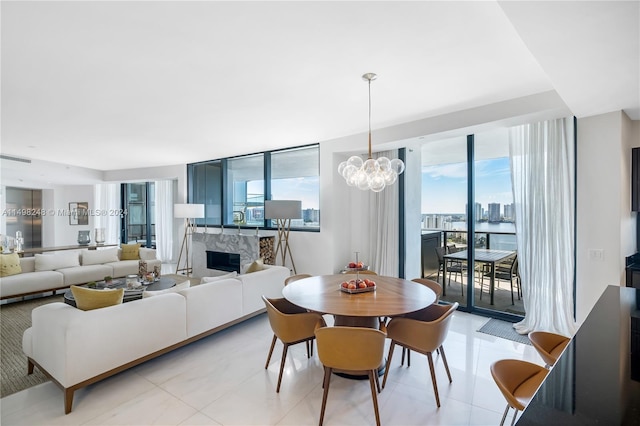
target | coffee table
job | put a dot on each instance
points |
(129, 295)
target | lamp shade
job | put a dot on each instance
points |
(282, 209)
(188, 211)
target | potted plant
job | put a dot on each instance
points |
(91, 284)
(108, 280)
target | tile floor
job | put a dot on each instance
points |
(221, 380)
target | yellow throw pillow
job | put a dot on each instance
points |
(10, 265)
(88, 299)
(130, 251)
(256, 266)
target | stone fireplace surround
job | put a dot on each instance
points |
(250, 248)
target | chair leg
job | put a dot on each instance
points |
(375, 376)
(327, 379)
(388, 366)
(515, 414)
(504, 416)
(372, 373)
(284, 357)
(512, 301)
(433, 378)
(408, 357)
(404, 351)
(273, 344)
(444, 361)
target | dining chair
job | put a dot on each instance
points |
(549, 345)
(518, 381)
(453, 267)
(296, 277)
(505, 271)
(291, 324)
(367, 272)
(355, 350)
(423, 335)
(433, 285)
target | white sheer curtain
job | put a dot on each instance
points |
(107, 202)
(542, 174)
(383, 226)
(164, 219)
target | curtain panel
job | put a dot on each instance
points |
(542, 173)
(164, 220)
(107, 199)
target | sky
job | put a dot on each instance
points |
(444, 186)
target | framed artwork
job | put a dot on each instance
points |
(79, 213)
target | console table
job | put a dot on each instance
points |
(596, 381)
(37, 250)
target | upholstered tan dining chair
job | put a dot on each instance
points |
(291, 324)
(293, 278)
(435, 286)
(356, 350)
(424, 334)
(518, 381)
(549, 345)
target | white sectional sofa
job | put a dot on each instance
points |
(63, 343)
(55, 271)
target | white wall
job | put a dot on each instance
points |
(604, 219)
(64, 233)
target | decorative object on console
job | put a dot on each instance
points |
(99, 236)
(371, 174)
(84, 238)
(283, 211)
(188, 212)
(19, 242)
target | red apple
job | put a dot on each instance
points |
(371, 284)
(359, 265)
(352, 286)
(345, 284)
(352, 265)
(362, 285)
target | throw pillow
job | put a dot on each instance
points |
(51, 262)
(9, 265)
(98, 257)
(88, 299)
(130, 251)
(256, 266)
(218, 278)
(176, 288)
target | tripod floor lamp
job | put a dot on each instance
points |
(282, 211)
(188, 212)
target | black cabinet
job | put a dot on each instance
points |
(430, 263)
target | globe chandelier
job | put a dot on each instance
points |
(372, 174)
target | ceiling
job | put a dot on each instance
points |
(119, 85)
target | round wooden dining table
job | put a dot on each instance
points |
(392, 297)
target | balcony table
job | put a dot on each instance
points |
(486, 256)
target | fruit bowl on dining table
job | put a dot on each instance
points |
(356, 266)
(357, 285)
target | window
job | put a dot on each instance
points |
(138, 225)
(233, 190)
(295, 175)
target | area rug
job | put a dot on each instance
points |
(15, 318)
(504, 330)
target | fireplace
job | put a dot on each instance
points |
(222, 261)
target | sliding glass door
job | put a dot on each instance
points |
(138, 225)
(458, 173)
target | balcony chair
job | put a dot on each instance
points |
(453, 267)
(505, 271)
(518, 381)
(549, 345)
(424, 335)
(355, 350)
(291, 324)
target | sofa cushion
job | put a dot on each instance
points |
(51, 262)
(98, 257)
(9, 265)
(31, 282)
(176, 288)
(88, 299)
(130, 251)
(84, 274)
(218, 277)
(256, 266)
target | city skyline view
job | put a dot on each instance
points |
(444, 186)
